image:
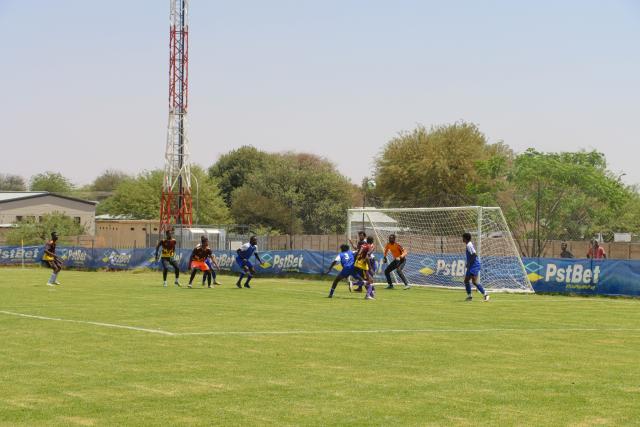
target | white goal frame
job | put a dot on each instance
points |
(503, 271)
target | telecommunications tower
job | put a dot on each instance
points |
(175, 206)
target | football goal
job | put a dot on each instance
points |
(436, 253)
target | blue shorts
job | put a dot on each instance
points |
(209, 263)
(244, 263)
(474, 270)
(346, 272)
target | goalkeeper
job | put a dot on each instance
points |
(399, 260)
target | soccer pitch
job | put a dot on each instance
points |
(119, 349)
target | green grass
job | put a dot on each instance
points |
(518, 360)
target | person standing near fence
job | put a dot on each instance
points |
(564, 252)
(399, 260)
(168, 257)
(596, 251)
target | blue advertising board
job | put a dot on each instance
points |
(579, 276)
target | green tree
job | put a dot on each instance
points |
(568, 195)
(53, 182)
(296, 191)
(32, 232)
(232, 169)
(139, 198)
(109, 180)
(445, 165)
(10, 182)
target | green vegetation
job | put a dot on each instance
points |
(283, 354)
(32, 232)
(53, 182)
(9, 182)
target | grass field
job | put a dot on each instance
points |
(283, 354)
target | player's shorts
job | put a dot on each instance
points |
(167, 261)
(50, 263)
(362, 264)
(359, 273)
(474, 270)
(346, 272)
(244, 263)
(200, 265)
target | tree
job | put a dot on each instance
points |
(139, 198)
(445, 165)
(52, 182)
(109, 180)
(232, 169)
(294, 192)
(31, 232)
(10, 182)
(565, 196)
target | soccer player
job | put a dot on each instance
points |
(51, 260)
(399, 260)
(243, 259)
(168, 257)
(197, 260)
(473, 269)
(362, 240)
(362, 265)
(346, 258)
(211, 262)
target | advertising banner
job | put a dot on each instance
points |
(579, 276)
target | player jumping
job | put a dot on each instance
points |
(51, 260)
(244, 255)
(399, 260)
(168, 257)
(473, 269)
(362, 267)
(346, 258)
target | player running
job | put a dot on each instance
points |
(473, 269)
(51, 260)
(346, 258)
(197, 260)
(243, 259)
(399, 260)
(362, 240)
(168, 257)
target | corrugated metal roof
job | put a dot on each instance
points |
(13, 195)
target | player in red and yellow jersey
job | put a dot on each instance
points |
(198, 259)
(167, 259)
(399, 260)
(51, 260)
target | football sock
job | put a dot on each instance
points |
(331, 291)
(193, 274)
(249, 277)
(467, 286)
(164, 274)
(480, 288)
(209, 279)
(52, 278)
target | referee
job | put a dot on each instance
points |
(399, 260)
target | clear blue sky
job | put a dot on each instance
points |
(85, 82)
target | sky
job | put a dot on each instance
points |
(86, 82)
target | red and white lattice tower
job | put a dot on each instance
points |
(176, 206)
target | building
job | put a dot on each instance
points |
(18, 205)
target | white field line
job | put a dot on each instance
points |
(322, 331)
(86, 322)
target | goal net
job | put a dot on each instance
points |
(433, 239)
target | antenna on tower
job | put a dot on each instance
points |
(176, 206)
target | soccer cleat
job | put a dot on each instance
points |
(239, 285)
(217, 283)
(209, 286)
(369, 297)
(51, 284)
(246, 285)
(164, 284)
(177, 284)
(189, 286)
(486, 297)
(406, 287)
(389, 287)
(469, 298)
(57, 283)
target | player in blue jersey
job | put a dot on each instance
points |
(473, 269)
(243, 259)
(346, 259)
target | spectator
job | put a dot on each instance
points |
(596, 251)
(565, 253)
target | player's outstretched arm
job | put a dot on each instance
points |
(333, 263)
(157, 248)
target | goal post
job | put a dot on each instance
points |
(433, 238)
